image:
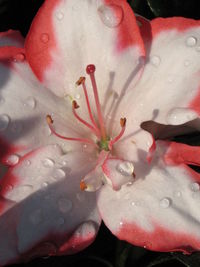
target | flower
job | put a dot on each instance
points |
(87, 104)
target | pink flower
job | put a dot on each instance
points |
(99, 132)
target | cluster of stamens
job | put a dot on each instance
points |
(104, 141)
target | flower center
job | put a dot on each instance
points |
(97, 128)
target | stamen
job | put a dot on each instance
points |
(81, 81)
(76, 106)
(82, 140)
(90, 71)
(123, 125)
(83, 185)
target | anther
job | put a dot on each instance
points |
(123, 122)
(83, 186)
(49, 119)
(75, 105)
(80, 81)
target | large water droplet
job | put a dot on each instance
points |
(111, 15)
(36, 216)
(30, 102)
(58, 174)
(126, 168)
(195, 187)
(4, 121)
(64, 205)
(48, 163)
(191, 41)
(165, 203)
(59, 15)
(44, 38)
(12, 160)
(155, 60)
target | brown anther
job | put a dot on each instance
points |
(133, 174)
(123, 122)
(74, 104)
(80, 81)
(49, 119)
(83, 186)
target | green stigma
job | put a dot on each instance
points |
(103, 144)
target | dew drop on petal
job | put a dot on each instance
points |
(12, 160)
(27, 162)
(44, 185)
(155, 60)
(77, 96)
(30, 102)
(59, 15)
(191, 41)
(48, 163)
(111, 15)
(64, 205)
(58, 174)
(4, 121)
(44, 37)
(36, 216)
(133, 203)
(165, 203)
(194, 187)
(20, 57)
(60, 221)
(177, 193)
(187, 63)
(126, 168)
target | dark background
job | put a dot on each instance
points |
(107, 250)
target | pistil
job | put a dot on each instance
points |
(90, 71)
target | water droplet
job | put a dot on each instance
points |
(187, 63)
(155, 60)
(30, 102)
(177, 194)
(59, 15)
(126, 168)
(44, 184)
(36, 216)
(19, 193)
(61, 221)
(133, 203)
(171, 78)
(139, 23)
(4, 121)
(44, 38)
(27, 162)
(64, 163)
(64, 205)
(121, 223)
(12, 160)
(19, 57)
(111, 15)
(191, 41)
(129, 184)
(195, 187)
(58, 174)
(48, 163)
(2, 100)
(85, 146)
(78, 96)
(165, 203)
(80, 196)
